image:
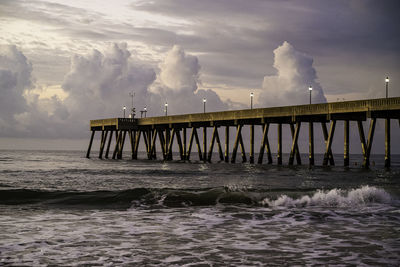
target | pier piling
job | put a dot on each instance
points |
(346, 153)
(387, 142)
(227, 143)
(279, 153)
(90, 144)
(311, 143)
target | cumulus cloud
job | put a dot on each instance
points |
(15, 78)
(177, 83)
(99, 84)
(295, 73)
(180, 72)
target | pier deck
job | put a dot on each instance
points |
(168, 127)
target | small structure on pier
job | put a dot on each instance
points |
(168, 128)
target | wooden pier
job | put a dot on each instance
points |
(167, 129)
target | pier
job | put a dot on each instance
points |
(183, 129)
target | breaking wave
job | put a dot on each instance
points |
(334, 198)
(124, 199)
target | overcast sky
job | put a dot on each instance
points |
(63, 63)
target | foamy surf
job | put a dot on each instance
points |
(362, 196)
(64, 210)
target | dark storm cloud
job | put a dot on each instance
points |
(234, 39)
(344, 35)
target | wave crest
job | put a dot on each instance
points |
(334, 198)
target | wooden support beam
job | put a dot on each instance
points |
(153, 144)
(265, 145)
(262, 146)
(196, 137)
(121, 145)
(279, 156)
(167, 138)
(369, 142)
(329, 142)
(133, 145)
(180, 146)
(251, 143)
(162, 143)
(149, 140)
(242, 150)
(190, 144)
(137, 141)
(205, 144)
(109, 144)
(90, 145)
(387, 142)
(236, 144)
(221, 154)
(132, 142)
(116, 148)
(346, 156)
(146, 144)
(268, 148)
(362, 138)
(311, 160)
(184, 143)
(294, 148)
(330, 154)
(210, 150)
(227, 143)
(170, 143)
(103, 143)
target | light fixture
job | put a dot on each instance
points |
(387, 86)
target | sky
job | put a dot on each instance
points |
(63, 63)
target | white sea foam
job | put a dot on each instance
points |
(334, 198)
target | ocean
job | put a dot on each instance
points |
(58, 208)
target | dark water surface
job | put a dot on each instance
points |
(58, 208)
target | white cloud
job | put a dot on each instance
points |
(177, 83)
(15, 77)
(295, 73)
(98, 84)
(180, 72)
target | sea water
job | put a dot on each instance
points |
(59, 208)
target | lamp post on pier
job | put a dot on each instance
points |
(387, 86)
(310, 89)
(124, 108)
(251, 100)
(204, 105)
(132, 95)
(166, 109)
